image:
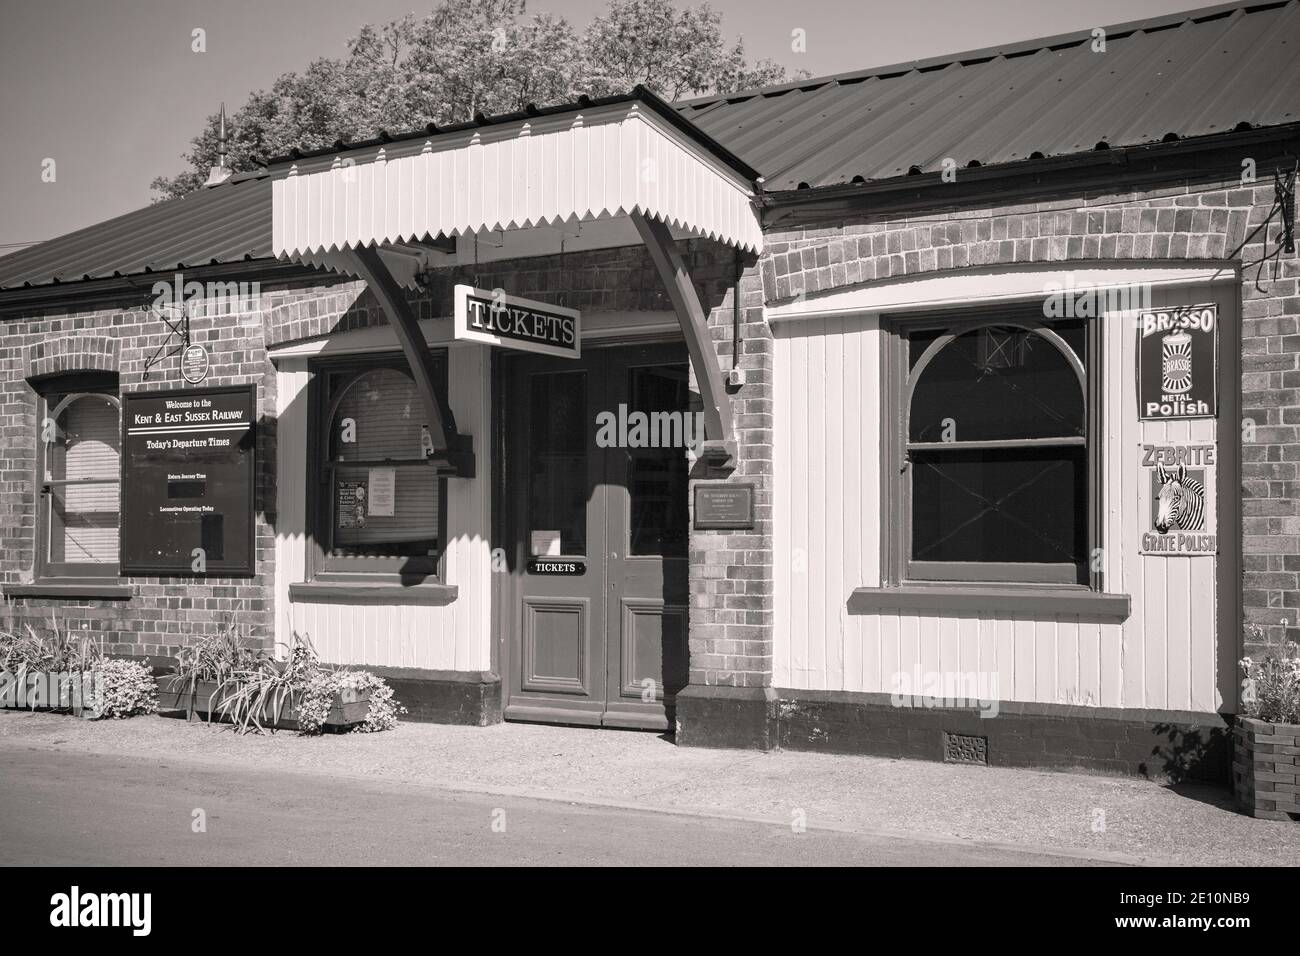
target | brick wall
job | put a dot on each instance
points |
(1192, 220)
(731, 579)
(166, 613)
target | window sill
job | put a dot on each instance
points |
(352, 592)
(966, 599)
(71, 591)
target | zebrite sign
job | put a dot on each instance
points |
(1176, 494)
(508, 321)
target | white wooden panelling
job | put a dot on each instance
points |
(599, 164)
(291, 381)
(827, 437)
(827, 536)
(452, 637)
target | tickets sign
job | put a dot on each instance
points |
(508, 321)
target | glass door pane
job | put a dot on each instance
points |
(557, 462)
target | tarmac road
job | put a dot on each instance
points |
(64, 808)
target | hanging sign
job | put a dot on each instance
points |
(1177, 488)
(1178, 359)
(511, 322)
(188, 482)
(194, 364)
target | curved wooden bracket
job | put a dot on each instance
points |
(453, 452)
(719, 427)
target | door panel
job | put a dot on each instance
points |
(607, 646)
(557, 646)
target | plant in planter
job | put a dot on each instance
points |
(1266, 740)
(220, 675)
(122, 689)
(46, 671)
(265, 689)
(66, 672)
(347, 697)
(204, 667)
(56, 651)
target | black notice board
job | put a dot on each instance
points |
(188, 469)
(724, 506)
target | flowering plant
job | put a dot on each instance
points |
(1271, 688)
(122, 689)
(254, 687)
(324, 686)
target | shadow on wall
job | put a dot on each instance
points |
(1195, 754)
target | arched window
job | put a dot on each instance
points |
(79, 435)
(995, 451)
(381, 509)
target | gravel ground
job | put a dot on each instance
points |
(1107, 817)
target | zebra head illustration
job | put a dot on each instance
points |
(1182, 501)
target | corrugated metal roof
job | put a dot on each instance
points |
(225, 223)
(1190, 74)
(638, 94)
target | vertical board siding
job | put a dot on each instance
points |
(451, 637)
(291, 383)
(828, 540)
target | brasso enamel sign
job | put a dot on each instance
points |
(494, 318)
(1178, 355)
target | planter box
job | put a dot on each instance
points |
(176, 699)
(1265, 775)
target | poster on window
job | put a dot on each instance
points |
(188, 460)
(1178, 357)
(1177, 489)
(382, 491)
(350, 506)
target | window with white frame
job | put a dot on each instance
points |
(380, 502)
(79, 439)
(995, 446)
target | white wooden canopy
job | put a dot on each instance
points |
(514, 188)
(615, 172)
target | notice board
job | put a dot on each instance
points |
(188, 459)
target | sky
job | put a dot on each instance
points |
(112, 91)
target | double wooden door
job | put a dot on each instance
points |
(595, 629)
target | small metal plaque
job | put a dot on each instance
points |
(557, 566)
(194, 364)
(724, 506)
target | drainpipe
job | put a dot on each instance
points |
(736, 376)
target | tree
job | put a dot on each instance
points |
(474, 56)
(674, 52)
